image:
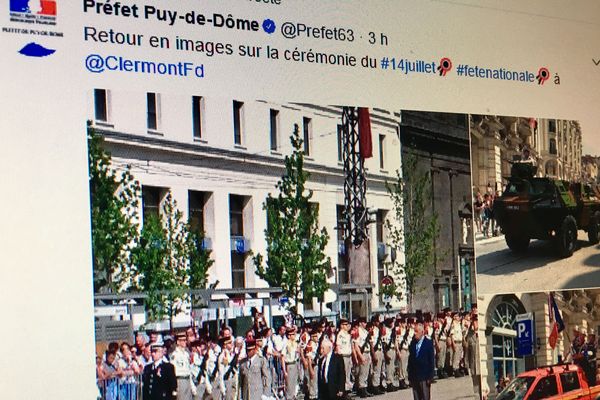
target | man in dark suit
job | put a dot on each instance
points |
(158, 379)
(421, 364)
(331, 372)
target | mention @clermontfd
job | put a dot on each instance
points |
(97, 64)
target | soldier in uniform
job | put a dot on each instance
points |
(456, 337)
(198, 368)
(212, 370)
(290, 358)
(159, 379)
(389, 347)
(406, 334)
(309, 358)
(362, 347)
(377, 356)
(439, 345)
(448, 357)
(180, 358)
(228, 364)
(344, 348)
(253, 373)
(472, 356)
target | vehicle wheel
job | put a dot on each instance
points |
(594, 228)
(567, 237)
(516, 243)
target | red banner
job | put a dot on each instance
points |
(364, 133)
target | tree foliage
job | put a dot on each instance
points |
(296, 259)
(416, 231)
(114, 203)
(168, 261)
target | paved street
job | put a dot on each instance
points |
(499, 270)
(446, 389)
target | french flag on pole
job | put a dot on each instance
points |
(556, 321)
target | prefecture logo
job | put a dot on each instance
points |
(42, 12)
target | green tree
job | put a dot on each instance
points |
(415, 231)
(169, 261)
(114, 202)
(296, 259)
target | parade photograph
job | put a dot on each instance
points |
(540, 345)
(536, 204)
(252, 250)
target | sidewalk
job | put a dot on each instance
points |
(480, 239)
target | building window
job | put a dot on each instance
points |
(238, 122)
(236, 215)
(552, 125)
(505, 359)
(381, 152)
(238, 270)
(101, 105)
(151, 198)
(343, 276)
(380, 222)
(381, 256)
(196, 202)
(340, 134)
(152, 106)
(238, 259)
(197, 116)
(307, 134)
(274, 128)
(553, 149)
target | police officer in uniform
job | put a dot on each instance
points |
(159, 381)
(180, 358)
(344, 349)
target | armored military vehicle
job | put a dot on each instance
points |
(548, 209)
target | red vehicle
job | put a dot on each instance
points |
(564, 381)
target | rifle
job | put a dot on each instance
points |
(392, 339)
(378, 342)
(202, 369)
(232, 365)
(316, 359)
(404, 338)
(213, 374)
(389, 343)
(367, 340)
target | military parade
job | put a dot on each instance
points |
(288, 363)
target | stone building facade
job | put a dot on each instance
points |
(589, 168)
(498, 141)
(220, 158)
(440, 143)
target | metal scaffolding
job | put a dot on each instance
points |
(355, 183)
